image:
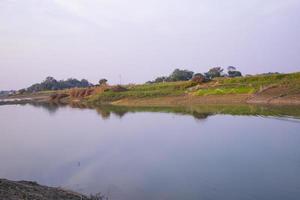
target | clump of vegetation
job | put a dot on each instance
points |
(232, 72)
(103, 81)
(176, 75)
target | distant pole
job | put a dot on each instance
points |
(120, 79)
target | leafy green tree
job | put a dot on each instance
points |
(231, 68)
(102, 81)
(51, 83)
(214, 72)
(181, 75)
(161, 79)
(232, 72)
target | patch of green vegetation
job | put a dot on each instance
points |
(263, 80)
(180, 85)
(219, 86)
(222, 91)
(252, 84)
(144, 91)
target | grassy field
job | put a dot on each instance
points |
(253, 84)
(144, 91)
(222, 91)
(289, 83)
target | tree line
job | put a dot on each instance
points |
(51, 83)
(185, 75)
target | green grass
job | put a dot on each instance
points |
(219, 86)
(252, 84)
(222, 91)
(145, 91)
(180, 85)
(263, 80)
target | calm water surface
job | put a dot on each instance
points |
(152, 155)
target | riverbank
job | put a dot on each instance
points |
(232, 99)
(279, 89)
(17, 190)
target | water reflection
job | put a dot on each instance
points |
(151, 153)
(198, 112)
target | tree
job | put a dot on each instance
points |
(232, 72)
(161, 79)
(22, 91)
(51, 83)
(231, 68)
(85, 83)
(102, 81)
(214, 72)
(181, 75)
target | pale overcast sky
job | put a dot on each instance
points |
(141, 39)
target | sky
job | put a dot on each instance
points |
(135, 41)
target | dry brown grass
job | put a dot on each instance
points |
(79, 93)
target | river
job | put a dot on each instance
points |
(155, 153)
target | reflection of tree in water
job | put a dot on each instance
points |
(103, 113)
(52, 107)
(200, 116)
(120, 111)
(106, 113)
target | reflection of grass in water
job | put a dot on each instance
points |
(250, 110)
(201, 112)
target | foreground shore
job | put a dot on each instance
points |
(17, 190)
